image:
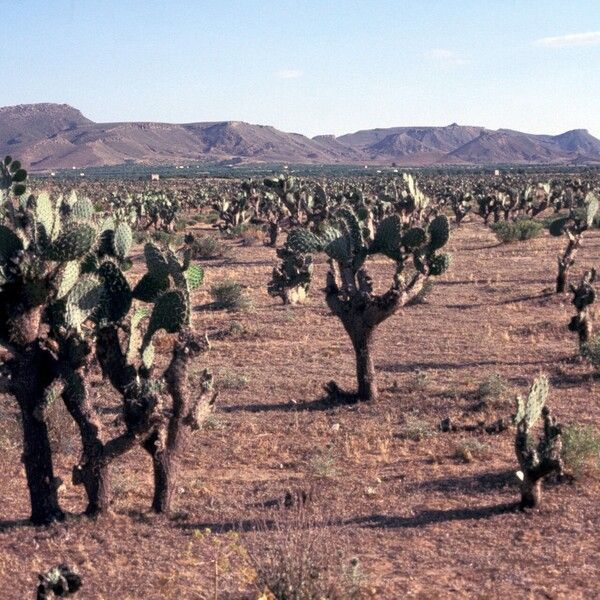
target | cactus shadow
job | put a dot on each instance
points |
(320, 404)
(424, 366)
(481, 483)
(430, 517)
(540, 296)
(562, 380)
(10, 524)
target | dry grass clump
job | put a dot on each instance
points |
(298, 556)
(206, 247)
(416, 429)
(230, 295)
(494, 391)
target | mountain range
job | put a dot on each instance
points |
(56, 136)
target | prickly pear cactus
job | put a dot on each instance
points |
(291, 279)
(345, 242)
(536, 460)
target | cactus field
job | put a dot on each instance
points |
(297, 386)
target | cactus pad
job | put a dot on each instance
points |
(171, 313)
(149, 288)
(194, 276)
(83, 210)
(67, 277)
(10, 244)
(414, 237)
(72, 243)
(122, 240)
(439, 232)
(117, 298)
(303, 241)
(83, 300)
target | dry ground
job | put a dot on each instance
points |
(424, 521)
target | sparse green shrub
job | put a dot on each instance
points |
(416, 429)
(208, 246)
(210, 218)
(323, 464)
(581, 448)
(162, 237)
(230, 295)
(591, 351)
(520, 230)
(237, 330)
(494, 390)
(250, 235)
(471, 450)
(232, 380)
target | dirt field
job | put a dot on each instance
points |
(428, 514)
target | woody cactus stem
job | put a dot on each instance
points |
(584, 296)
(360, 313)
(31, 373)
(565, 262)
(536, 460)
(170, 438)
(92, 471)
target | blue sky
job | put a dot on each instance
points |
(310, 66)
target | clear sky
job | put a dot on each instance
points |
(310, 66)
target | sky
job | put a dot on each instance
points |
(309, 66)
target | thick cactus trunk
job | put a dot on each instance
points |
(565, 262)
(93, 470)
(37, 459)
(165, 474)
(561, 278)
(365, 368)
(30, 379)
(170, 439)
(531, 492)
(273, 234)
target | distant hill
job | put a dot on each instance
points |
(55, 136)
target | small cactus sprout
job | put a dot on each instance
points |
(536, 459)
(58, 582)
(584, 296)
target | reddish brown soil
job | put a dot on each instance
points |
(424, 521)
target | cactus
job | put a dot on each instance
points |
(349, 291)
(64, 298)
(58, 582)
(12, 177)
(291, 280)
(74, 242)
(573, 226)
(122, 240)
(536, 460)
(584, 296)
